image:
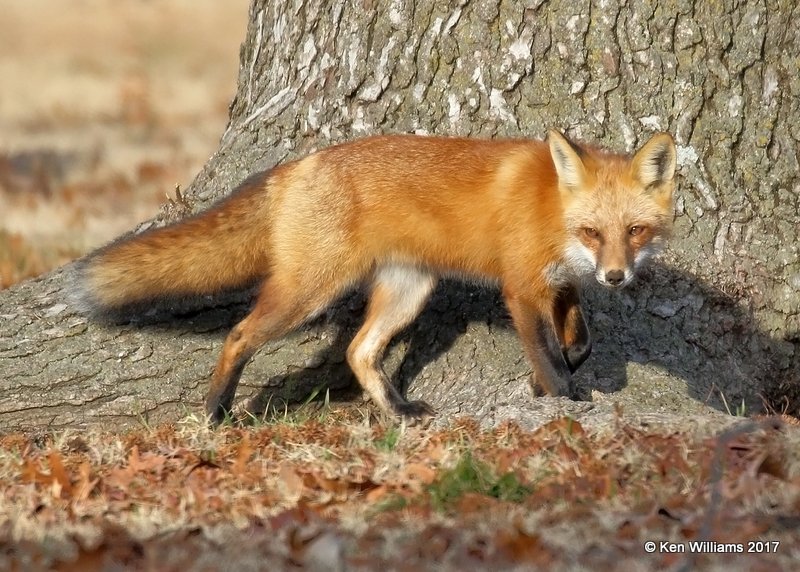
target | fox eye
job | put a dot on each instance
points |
(636, 230)
(591, 232)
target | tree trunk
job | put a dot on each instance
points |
(716, 321)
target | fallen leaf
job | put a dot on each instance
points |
(145, 463)
(85, 484)
(61, 481)
(417, 475)
(291, 482)
(242, 456)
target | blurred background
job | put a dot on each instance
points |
(105, 106)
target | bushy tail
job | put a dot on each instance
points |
(220, 249)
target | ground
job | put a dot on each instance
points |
(105, 108)
(338, 491)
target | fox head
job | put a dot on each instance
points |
(617, 209)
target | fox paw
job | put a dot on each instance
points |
(414, 412)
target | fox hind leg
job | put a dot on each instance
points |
(278, 310)
(398, 295)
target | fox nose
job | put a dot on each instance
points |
(615, 277)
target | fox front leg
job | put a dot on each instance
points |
(570, 325)
(534, 324)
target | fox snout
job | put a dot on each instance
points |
(609, 257)
(613, 278)
(612, 256)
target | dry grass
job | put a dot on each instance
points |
(104, 108)
(361, 496)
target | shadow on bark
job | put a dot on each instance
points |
(666, 321)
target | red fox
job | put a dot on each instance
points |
(398, 212)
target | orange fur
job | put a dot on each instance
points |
(398, 212)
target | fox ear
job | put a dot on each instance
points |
(654, 163)
(567, 160)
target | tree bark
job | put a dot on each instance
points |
(715, 322)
